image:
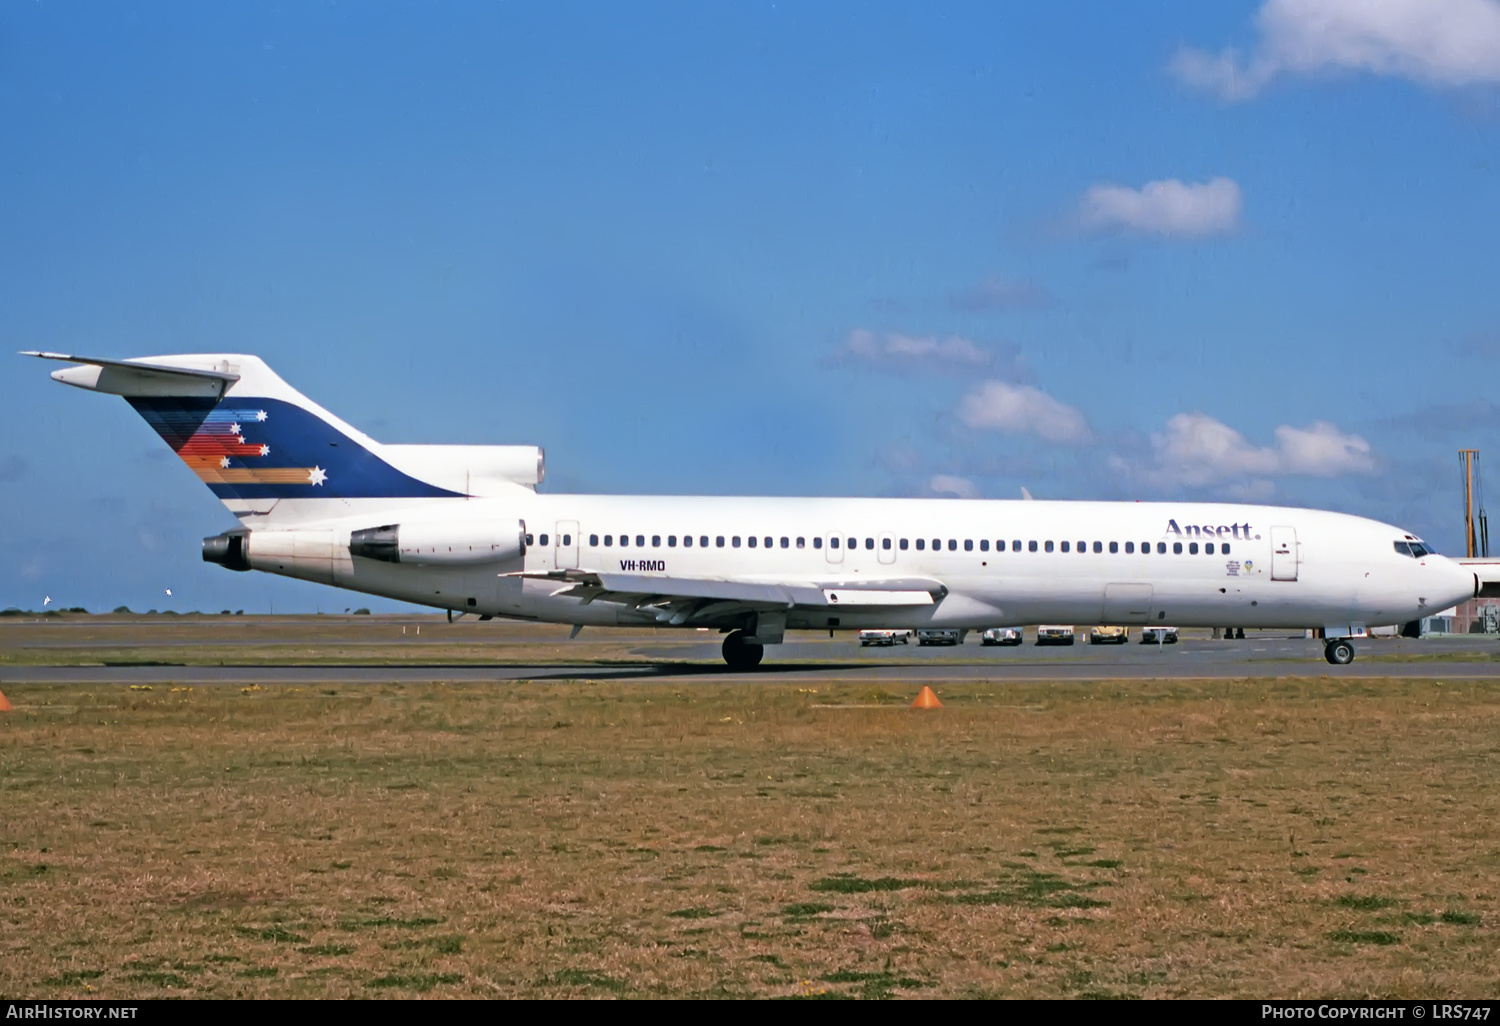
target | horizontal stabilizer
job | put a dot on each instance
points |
(138, 378)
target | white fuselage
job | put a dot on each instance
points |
(999, 563)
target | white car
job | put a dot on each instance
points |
(884, 637)
(938, 636)
(1158, 635)
(1001, 636)
(1054, 634)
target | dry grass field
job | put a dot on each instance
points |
(1254, 838)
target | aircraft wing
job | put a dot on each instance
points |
(684, 599)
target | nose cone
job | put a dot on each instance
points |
(1457, 582)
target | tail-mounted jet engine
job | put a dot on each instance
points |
(441, 544)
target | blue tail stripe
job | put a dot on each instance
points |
(249, 448)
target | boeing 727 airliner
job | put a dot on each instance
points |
(463, 528)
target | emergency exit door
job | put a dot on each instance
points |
(1284, 554)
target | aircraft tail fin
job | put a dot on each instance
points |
(247, 434)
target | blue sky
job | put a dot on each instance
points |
(1100, 251)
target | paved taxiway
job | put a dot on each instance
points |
(842, 659)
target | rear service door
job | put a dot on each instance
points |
(1283, 553)
(565, 545)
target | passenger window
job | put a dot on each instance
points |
(1208, 549)
(1161, 548)
(1192, 548)
(687, 541)
(567, 539)
(751, 540)
(952, 544)
(885, 543)
(703, 541)
(1130, 548)
(903, 544)
(786, 543)
(609, 540)
(656, 541)
(1224, 549)
(853, 543)
(1083, 546)
(1032, 546)
(869, 543)
(671, 541)
(1177, 548)
(1064, 546)
(1015, 546)
(532, 541)
(768, 541)
(937, 545)
(734, 542)
(984, 545)
(833, 543)
(1099, 547)
(543, 539)
(719, 541)
(624, 540)
(817, 543)
(1114, 547)
(801, 543)
(1048, 546)
(922, 544)
(640, 541)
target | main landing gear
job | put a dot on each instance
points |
(741, 653)
(1339, 652)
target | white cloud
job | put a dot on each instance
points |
(1196, 451)
(1438, 42)
(1165, 207)
(1022, 409)
(1322, 451)
(907, 352)
(948, 484)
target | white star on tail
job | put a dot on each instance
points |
(317, 475)
(234, 429)
(260, 414)
(223, 461)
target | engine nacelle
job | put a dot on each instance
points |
(442, 543)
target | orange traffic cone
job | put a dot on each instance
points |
(926, 699)
(4, 705)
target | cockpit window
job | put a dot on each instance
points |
(1414, 548)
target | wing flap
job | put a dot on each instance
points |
(644, 589)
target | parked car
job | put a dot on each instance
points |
(1109, 635)
(1054, 634)
(1001, 636)
(884, 637)
(1158, 635)
(938, 636)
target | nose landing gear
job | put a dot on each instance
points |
(1339, 652)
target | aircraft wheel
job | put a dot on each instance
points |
(1339, 653)
(741, 654)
